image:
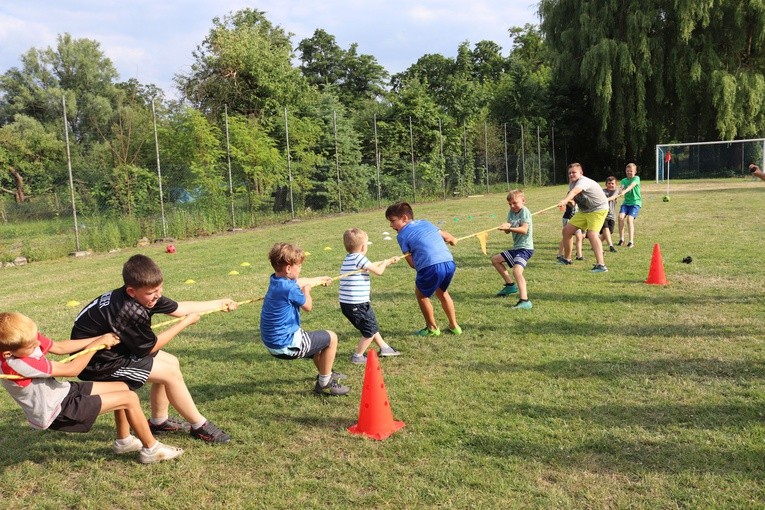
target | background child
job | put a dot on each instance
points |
(70, 406)
(280, 319)
(355, 292)
(568, 213)
(425, 248)
(630, 208)
(608, 226)
(127, 312)
(519, 224)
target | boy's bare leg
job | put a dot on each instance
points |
(579, 243)
(120, 420)
(448, 305)
(568, 238)
(631, 227)
(621, 226)
(520, 281)
(597, 246)
(499, 264)
(426, 307)
(168, 387)
(126, 402)
(326, 358)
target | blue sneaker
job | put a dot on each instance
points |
(599, 268)
(565, 261)
(509, 288)
(523, 305)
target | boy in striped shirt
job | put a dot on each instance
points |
(355, 291)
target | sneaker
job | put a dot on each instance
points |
(427, 332)
(159, 453)
(332, 389)
(455, 330)
(599, 268)
(559, 257)
(509, 288)
(337, 376)
(579, 258)
(358, 359)
(211, 433)
(523, 305)
(630, 245)
(389, 351)
(612, 249)
(564, 261)
(169, 425)
(134, 445)
(621, 242)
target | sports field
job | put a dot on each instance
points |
(609, 393)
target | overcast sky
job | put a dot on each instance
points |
(151, 40)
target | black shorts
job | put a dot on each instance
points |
(79, 409)
(362, 317)
(131, 370)
(608, 224)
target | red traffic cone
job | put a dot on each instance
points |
(656, 272)
(375, 415)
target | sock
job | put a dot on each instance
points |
(523, 300)
(199, 423)
(158, 421)
(151, 449)
(324, 379)
(126, 441)
(509, 284)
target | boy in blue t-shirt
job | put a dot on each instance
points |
(424, 247)
(519, 224)
(280, 319)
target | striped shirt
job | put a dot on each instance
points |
(356, 288)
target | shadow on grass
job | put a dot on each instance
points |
(606, 452)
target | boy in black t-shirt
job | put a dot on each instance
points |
(127, 312)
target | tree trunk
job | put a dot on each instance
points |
(19, 193)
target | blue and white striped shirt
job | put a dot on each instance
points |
(354, 289)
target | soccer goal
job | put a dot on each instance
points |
(699, 160)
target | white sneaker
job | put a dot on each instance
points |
(160, 452)
(133, 446)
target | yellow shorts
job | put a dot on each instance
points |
(589, 220)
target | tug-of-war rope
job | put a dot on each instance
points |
(482, 237)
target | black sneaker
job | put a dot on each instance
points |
(332, 389)
(579, 258)
(210, 433)
(612, 249)
(620, 243)
(169, 425)
(630, 245)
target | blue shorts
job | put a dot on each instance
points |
(437, 276)
(630, 210)
(520, 257)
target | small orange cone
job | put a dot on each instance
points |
(656, 272)
(375, 415)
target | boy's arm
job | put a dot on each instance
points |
(72, 346)
(314, 282)
(308, 305)
(378, 268)
(171, 332)
(78, 364)
(448, 238)
(569, 197)
(188, 307)
(756, 171)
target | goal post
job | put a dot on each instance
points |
(699, 160)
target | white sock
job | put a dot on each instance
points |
(151, 449)
(158, 421)
(126, 441)
(199, 423)
(324, 379)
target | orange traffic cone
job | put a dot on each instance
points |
(656, 272)
(375, 415)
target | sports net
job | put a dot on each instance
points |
(700, 160)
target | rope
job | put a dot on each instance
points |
(497, 228)
(221, 309)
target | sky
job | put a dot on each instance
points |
(152, 40)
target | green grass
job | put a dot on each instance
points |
(610, 393)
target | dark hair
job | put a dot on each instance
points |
(610, 178)
(140, 271)
(398, 210)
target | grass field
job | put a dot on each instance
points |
(609, 393)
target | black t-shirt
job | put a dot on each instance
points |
(116, 312)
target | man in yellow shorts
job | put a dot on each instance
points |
(592, 211)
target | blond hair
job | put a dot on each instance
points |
(16, 331)
(354, 239)
(282, 255)
(515, 193)
(633, 166)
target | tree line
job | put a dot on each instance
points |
(597, 82)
